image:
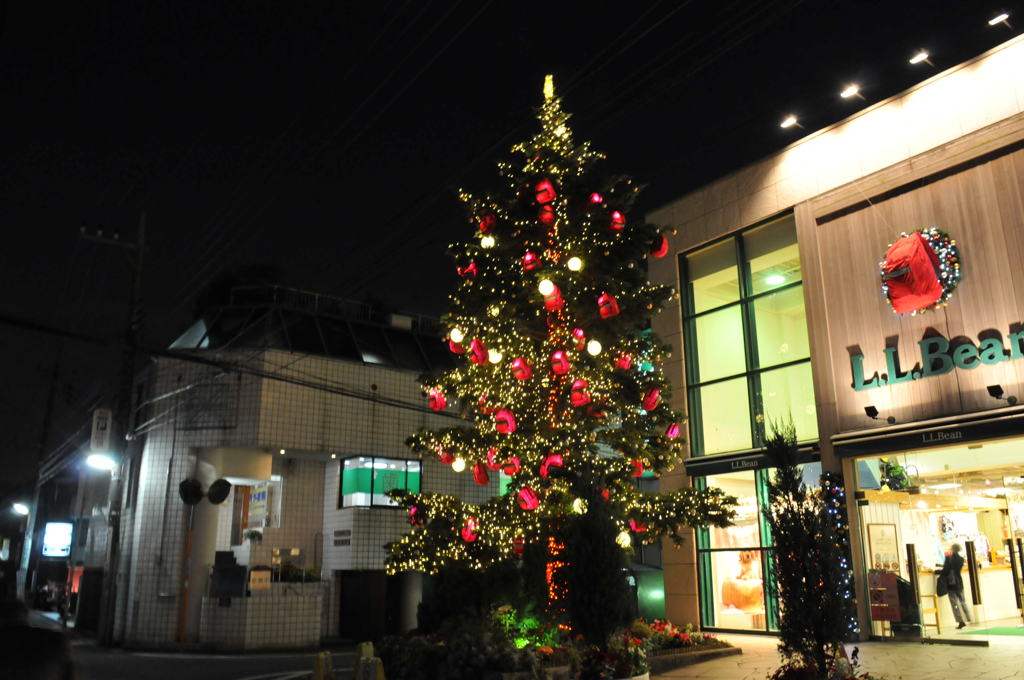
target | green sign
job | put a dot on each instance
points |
(939, 356)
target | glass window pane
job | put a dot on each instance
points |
(744, 531)
(781, 327)
(773, 258)
(738, 590)
(413, 483)
(714, 280)
(388, 474)
(788, 394)
(356, 481)
(725, 416)
(719, 339)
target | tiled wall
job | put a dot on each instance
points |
(286, 617)
(310, 424)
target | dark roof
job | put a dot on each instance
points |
(276, 317)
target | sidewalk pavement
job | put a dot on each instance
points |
(1002, 659)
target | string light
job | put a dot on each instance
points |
(574, 264)
(546, 287)
(494, 356)
(593, 348)
(457, 335)
(459, 464)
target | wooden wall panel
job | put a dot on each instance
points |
(982, 208)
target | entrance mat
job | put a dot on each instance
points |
(1019, 630)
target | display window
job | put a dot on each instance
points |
(734, 562)
(915, 506)
(747, 351)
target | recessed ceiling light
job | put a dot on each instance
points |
(281, 452)
(999, 19)
(775, 279)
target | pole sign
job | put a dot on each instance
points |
(102, 421)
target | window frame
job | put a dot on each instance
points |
(373, 459)
(752, 370)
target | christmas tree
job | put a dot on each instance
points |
(814, 581)
(559, 375)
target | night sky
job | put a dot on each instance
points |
(325, 140)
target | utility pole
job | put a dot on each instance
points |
(122, 418)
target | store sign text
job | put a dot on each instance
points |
(938, 357)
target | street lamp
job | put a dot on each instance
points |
(20, 508)
(101, 461)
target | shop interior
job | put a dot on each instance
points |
(930, 499)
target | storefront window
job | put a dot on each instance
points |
(366, 481)
(733, 561)
(747, 350)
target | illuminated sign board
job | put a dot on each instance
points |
(57, 539)
(938, 357)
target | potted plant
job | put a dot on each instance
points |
(253, 536)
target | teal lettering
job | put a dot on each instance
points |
(991, 351)
(892, 363)
(932, 350)
(857, 365)
(1017, 345)
(966, 356)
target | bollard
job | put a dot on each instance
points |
(323, 666)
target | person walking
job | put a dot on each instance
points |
(950, 577)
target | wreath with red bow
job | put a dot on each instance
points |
(920, 271)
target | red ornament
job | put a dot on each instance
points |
(595, 411)
(446, 457)
(456, 348)
(607, 305)
(480, 475)
(546, 215)
(521, 369)
(468, 270)
(505, 421)
(484, 407)
(511, 466)
(530, 261)
(554, 460)
(437, 400)
(518, 544)
(578, 395)
(477, 352)
(596, 198)
(491, 453)
(488, 222)
(624, 361)
(637, 527)
(528, 499)
(604, 494)
(469, 531)
(580, 338)
(560, 362)
(544, 191)
(660, 246)
(553, 301)
(651, 399)
(618, 221)
(911, 274)
(673, 431)
(638, 468)
(417, 517)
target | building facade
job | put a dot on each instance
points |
(783, 318)
(302, 403)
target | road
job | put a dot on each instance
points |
(98, 663)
